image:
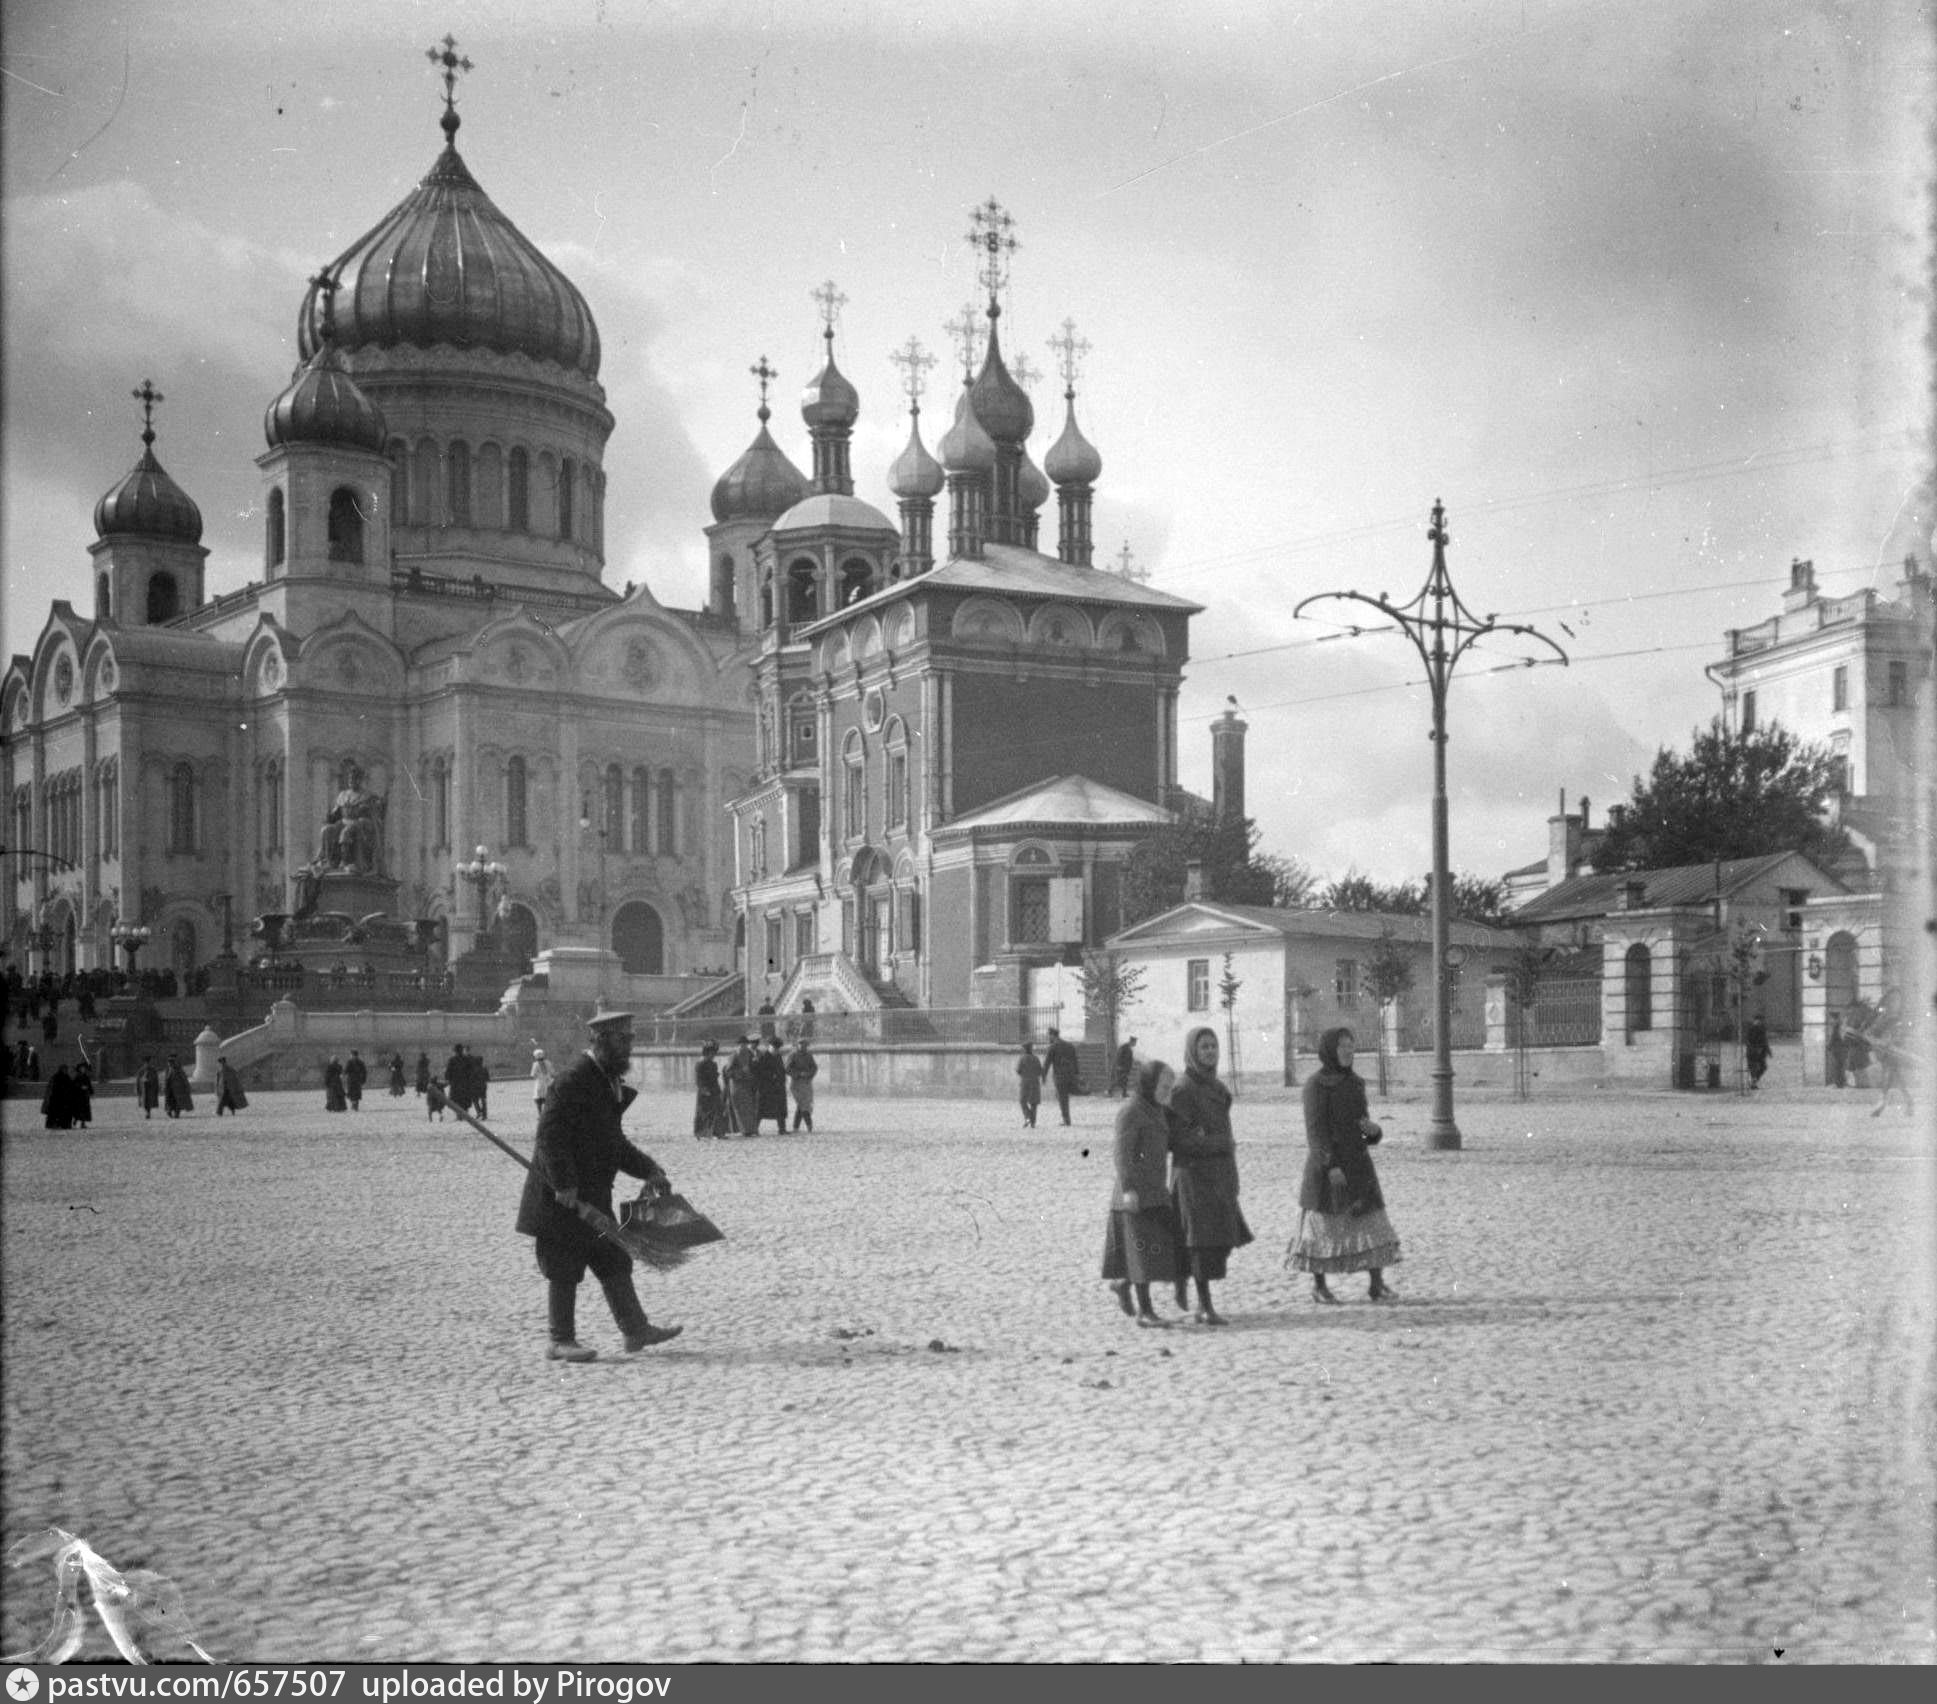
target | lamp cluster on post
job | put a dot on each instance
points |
(483, 873)
(131, 938)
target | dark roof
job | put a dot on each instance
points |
(1687, 884)
(1320, 924)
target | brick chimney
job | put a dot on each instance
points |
(1227, 765)
(1564, 837)
(1802, 586)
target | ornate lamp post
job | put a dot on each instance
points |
(131, 938)
(483, 873)
(1442, 630)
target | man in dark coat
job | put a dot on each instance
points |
(457, 1079)
(148, 1087)
(770, 1087)
(355, 1075)
(1059, 1058)
(175, 1096)
(580, 1150)
(57, 1105)
(1126, 1068)
(228, 1084)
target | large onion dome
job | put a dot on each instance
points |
(1031, 487)
(829, 400)
(915, 472)
(323, 405)
(1001, 404)
(761, 484)
(1072, 459)
(965, 446)
(148, 504)
(445, 266)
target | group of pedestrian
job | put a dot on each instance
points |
(735, 1100)
(1174, 1215)
(1059, 1065)
(466, 1084)
(68, 1103)
(166, 1088)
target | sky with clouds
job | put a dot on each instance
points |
(1640, 293)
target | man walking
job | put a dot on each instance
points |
(802, 1068)
(355, 1075)
(579, 1151)
(1060, 1058)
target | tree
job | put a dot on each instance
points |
(1388, 974)
(1227, 997)
(1110, 988)
(1293, 886)
(1153, 878)
(1355, 892)
(1733, 795)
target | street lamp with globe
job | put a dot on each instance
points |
(484, 873)
(131, 938)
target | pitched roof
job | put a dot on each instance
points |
(1065, 801)
(1208, 917)
(1686, 884)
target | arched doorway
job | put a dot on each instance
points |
(1839, 972)
(182, 956)
(520, 935)
(639, 938)
(873, 912)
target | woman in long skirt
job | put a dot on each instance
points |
(1139, 1234)
(1342, 1225)
(334, 1099)
(709, 1104)
(742, 1091)
(1204, 1174)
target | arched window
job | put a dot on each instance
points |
(440, 794)
(181, 809)
(399, 453)
(614, 818)
(567, 481)
(896, 790)
(103, 602)
(766, 603)
(182, 956)
(1640, 985)
(803, 592)
(457, 483)
(854, 788)
(639, 830)
(424, 495)
(272, 552)
(164, 599)
(639, 938)
(488, 486)
(857, 580)
(272, 805)
(518, 491)
(1839, 971)
(516, 822)
(801, 750)
(597, 481)
(346, 526)
(722, 599)
(109, 809)
(668, 815)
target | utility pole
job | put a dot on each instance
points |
(1442, 630)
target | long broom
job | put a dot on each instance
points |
(632, 1238)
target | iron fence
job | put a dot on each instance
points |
(1566, 1012)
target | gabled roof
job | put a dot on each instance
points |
(1199, 917)
(1599, 894)
(1063, 801)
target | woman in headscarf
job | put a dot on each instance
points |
(1204, 1173)
(1139, 1240)
(1343, 1225)
(334, 1099)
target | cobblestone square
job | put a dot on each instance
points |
(1659, 1386)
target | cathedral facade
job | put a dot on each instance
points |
(429, 632)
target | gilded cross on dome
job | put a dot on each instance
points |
(831, 302)
(1069, 351)
(766, 375)
(446, 55)
(148, 396)
(993, 232)
(1023, 371)
(966, 329)
(914, 361)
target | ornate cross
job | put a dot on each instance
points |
(1128, 566)
(993, 232)
(446, 55)
(831, 302)
(148, 396)
(766, 375)
(914, 361)
(1069, 350)
(966, 329)
(1023, 370)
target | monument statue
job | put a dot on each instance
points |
(352, 837)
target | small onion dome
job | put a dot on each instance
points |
(829, 400)
(915, 472)
(324, 406)
(965, 447)
(1072, 459)
(149, 504)
(445, 266)
(1031, 486)
(761, 484)
(1001, 404)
